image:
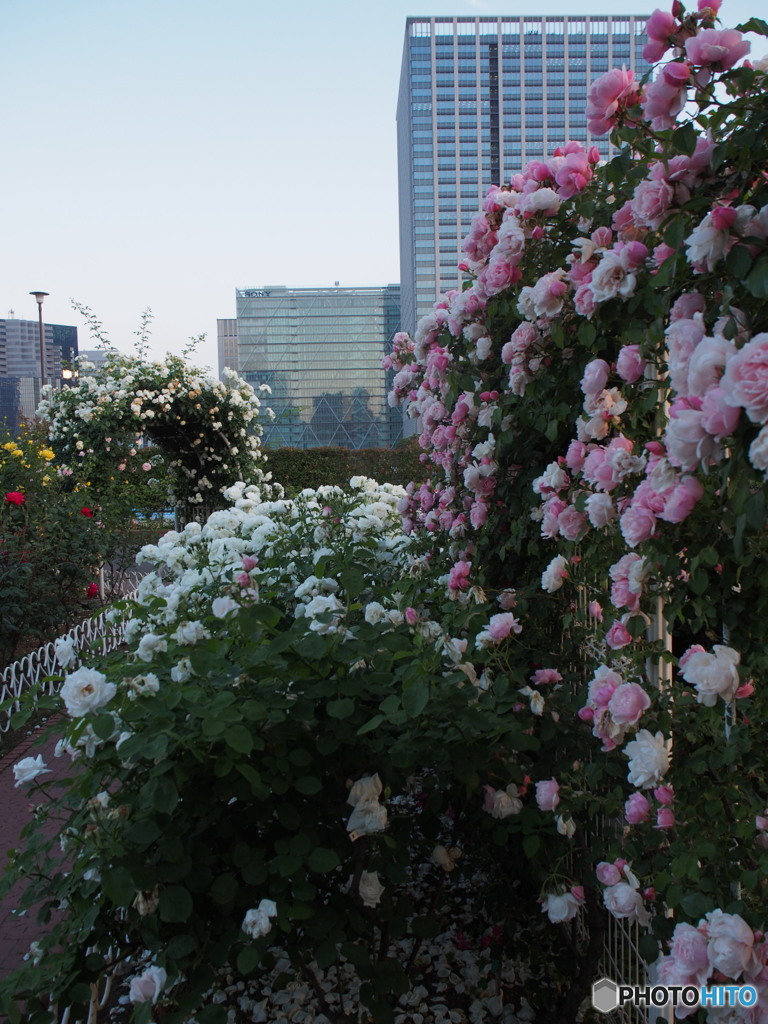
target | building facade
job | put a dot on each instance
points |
(320, 352)
(479, 98)
(226, 340)
(20, 366)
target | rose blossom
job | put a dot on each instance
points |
(547, 794)
(718, 48)
(648, 759)
(560, 907)
(257, 920)
(627, 703)
(607, 874)
(665, 818)
(637, 524)
(608, 96)
(636, 809)
(745, 381)
(730, 947)
(553, 576)
(600, 510)
(595, 377)
(618, 636)
(625, 903)
(758, 451)
(28, 769)
(86, 690)
(630, 365)
(712, 674)
(146, 987)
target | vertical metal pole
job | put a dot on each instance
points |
(42, 342)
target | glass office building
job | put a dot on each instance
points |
(479, 98)
(320, 352)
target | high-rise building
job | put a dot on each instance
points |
(20, 365)
(479, 98)
(226, 338)
(320, 352)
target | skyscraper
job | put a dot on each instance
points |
(20, 365)
(479, 98)
(320, 352)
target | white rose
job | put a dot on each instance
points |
(713, 674)
(147, 986)
(626, 903)
(730, 947)
(64, 649)
(29, 768)
(370, 888)
(758, 451)
(648, 759)
(86, 690)
(222, 606)
(374, 613)
(553, 576)
(191, 632)
(600, 510)
(257, 920)
(149, 645)
(559, 908)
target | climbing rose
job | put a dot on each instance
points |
(14, 498)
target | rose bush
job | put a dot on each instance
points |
(568, 629)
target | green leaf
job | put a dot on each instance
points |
(756, 25)
(696, 904)
(738, 261)
(649, 948)
(248, 959)
(181, 946)
(103, 726)
(211, 1014)
(224, 889)
(308, 785)
(370, 725)
(239, 738)
(757, 280)
(353, 581)
(684, 139)
(175, 903)
(531, 845)
(341, 708)
(416, 698)
(322, 860)
(119, 886)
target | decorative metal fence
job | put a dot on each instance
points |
(99, 634)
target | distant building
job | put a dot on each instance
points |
(20, 366)
(97, 356)
(479, 98)
(320, 351)
(226, 336)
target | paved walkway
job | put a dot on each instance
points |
(18, 931)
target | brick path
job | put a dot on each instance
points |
(16, 932)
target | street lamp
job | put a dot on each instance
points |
(39, 296)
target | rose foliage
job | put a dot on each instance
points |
(550, 682)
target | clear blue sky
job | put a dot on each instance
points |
(161, 153)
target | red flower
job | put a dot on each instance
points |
(93, 588)
(87, 512)
(14, 498)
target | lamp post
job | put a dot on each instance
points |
(39, 296)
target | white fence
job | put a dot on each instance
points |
(99, 635)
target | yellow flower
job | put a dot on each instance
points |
(18, 453)
(47, 454)
(46, 480)
(10, 446)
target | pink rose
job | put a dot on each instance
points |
(637, 809)
(627, 703)
(625, 903)
(717, 417)
(665, 818)
(545, 676)
(501, 625)
(682, 500)
(664, 794)
(637, 524)
(713, 675)
(595, 377)
(717, 48)
(745, 381)
(600, 510)
(602, 686)
(630, 365)
(607, 874)
(608, 96)
(547, 795)
(571, 523)
(618, 636)
(689, 949)
(688, 443)
(660, 27)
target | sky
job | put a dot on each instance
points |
(158, 154)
